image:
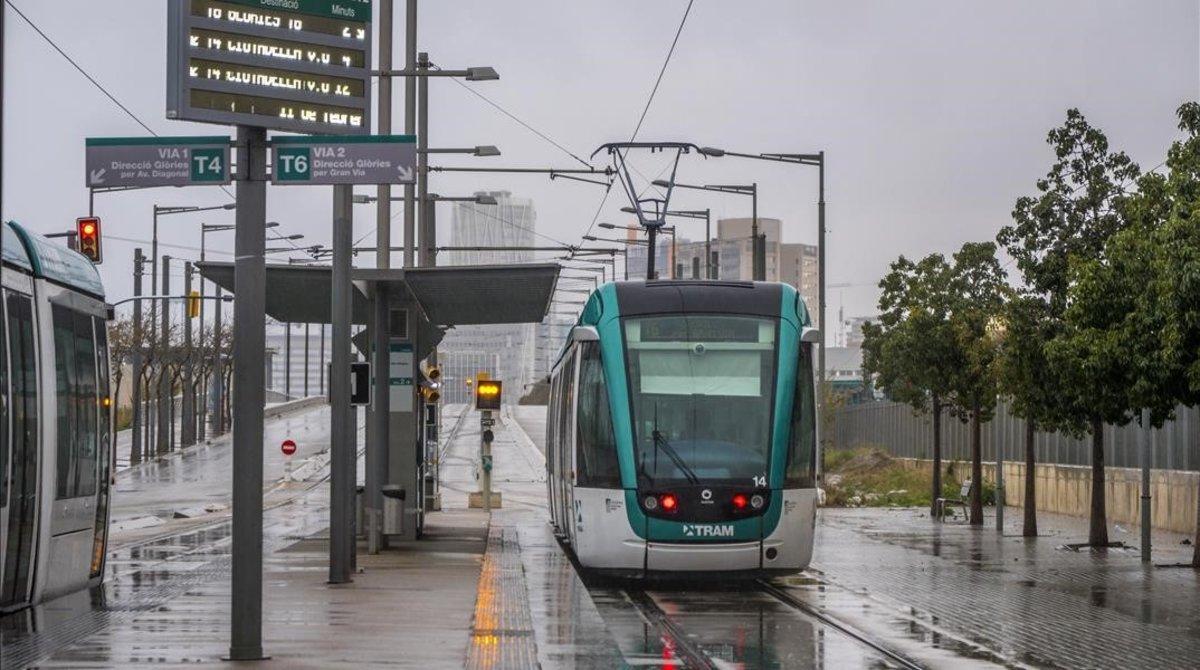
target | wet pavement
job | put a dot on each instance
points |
(888, 588)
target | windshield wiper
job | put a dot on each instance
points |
(659, 440)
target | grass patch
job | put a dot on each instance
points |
(869, 477)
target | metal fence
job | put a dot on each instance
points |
(899, 430)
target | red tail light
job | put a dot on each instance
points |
(740, 501)
(668, 502)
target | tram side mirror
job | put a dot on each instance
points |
(585, 334)
(811, 336)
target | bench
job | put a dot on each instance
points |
(962, 501)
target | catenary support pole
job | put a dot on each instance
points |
(998, 445)
(423, 229)
(165, 428)
(821, 385)
(307, 340)
(216, 406)
(341, 478)
(708, 244)
(375, 468)
(187, 409)
(139, 268)
(1144, 454)
(287, 361)
(410, 123)
(757, 269)
(249, 343)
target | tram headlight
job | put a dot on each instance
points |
(757, 501)
(650, 503)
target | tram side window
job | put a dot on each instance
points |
(801, 445)
(596, 448)
(24, 408)
(104, 426)
(75, 375)
(565, 398)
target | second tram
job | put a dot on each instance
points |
(55, 420)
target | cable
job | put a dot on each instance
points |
(662, 71)
(645, 110)
(89, 77)
(77, 67)
(514, 117)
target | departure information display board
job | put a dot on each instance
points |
(295, 65)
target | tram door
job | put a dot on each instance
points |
(19, 424)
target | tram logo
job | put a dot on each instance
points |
(707, 530)
(706, 495)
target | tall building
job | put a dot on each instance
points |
(507, 351)
(733, 258)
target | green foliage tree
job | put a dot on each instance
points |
(1148, 285)
(976, 293)
(1080, 205)
(1024, 377)
(910, 352)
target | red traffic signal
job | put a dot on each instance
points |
(87, 230)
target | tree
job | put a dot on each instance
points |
(1024, 377)
(1078, 208)
(911, 352)
(976, 290)
(1149, 279)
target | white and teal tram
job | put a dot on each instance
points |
(682, 433)
(55, 420)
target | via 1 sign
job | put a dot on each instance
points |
(288, 447)
(143, 162)
(296, 65)
(351, 159)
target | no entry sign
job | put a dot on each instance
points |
(288, 447)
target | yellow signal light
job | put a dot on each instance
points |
(193, 304)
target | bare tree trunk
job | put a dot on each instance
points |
(976, 468)
(1098, 530)
(937, 455)
(1030, 529)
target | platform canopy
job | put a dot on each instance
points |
(458, 295)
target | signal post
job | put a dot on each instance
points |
(488, 393)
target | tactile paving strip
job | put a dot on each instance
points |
(502, 631)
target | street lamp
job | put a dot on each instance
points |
(816, 160)
(483, 151)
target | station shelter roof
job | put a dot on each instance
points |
(447, 296)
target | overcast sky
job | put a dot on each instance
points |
(933, 114)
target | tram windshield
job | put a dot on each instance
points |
(702, 388)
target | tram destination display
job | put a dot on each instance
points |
(294, 65)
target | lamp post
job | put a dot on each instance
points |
(422, 70)
(758, 247)
(817, 160)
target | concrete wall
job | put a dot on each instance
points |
(1067, 489)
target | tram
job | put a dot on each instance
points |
(681, 434)
(55, 420)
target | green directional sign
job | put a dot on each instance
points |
(143, 162)
(351, 159)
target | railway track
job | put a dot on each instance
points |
(690, 654)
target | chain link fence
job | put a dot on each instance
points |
(899, 430)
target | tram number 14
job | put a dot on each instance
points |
(760, 481)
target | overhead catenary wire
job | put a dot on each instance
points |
(646, 109)
(88, 76)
